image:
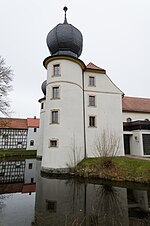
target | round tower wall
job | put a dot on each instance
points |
(67, 133)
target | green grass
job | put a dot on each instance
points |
(121, 169)
(17, 153)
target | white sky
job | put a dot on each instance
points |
(116, 37)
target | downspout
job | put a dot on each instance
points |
(84, 129)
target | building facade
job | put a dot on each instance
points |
(16, 133)
(77, 105)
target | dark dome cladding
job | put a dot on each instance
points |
(65, 39)
(43, 87)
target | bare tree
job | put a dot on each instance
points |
(106, 146)
(6, 77)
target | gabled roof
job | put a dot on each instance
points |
(92, 66)
(136, 104)
(18, 123)
(13, 123)
(33, 122)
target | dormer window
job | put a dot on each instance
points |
(56, 70)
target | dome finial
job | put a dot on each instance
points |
(65, 9)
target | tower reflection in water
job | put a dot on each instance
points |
(72, 203)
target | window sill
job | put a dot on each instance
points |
(56, 75)
(92, 106)
(56, 123)
(56, 98)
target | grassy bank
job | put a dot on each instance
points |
(17, 153)
(117, 169)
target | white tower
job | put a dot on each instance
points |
(63, 140)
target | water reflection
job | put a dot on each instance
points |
(17, 192)
(66, 202)
(71, 203)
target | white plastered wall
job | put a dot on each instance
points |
(32, 136)
(108, 111)
(135, 116)
(41, 131)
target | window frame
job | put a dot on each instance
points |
(91, 105)
(56, 70)
(58, 96)
(90, 124)
(51, 145)
(32, 143)
(94, 81)
(30, 166)
(58, 117)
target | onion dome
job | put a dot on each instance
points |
(43, 87)
(65, 39)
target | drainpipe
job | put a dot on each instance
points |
(85, 154)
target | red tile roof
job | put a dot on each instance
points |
(11, 188)
(93, 66)
(16, 123)
(136, 104)
(29, 188)
(33, 122)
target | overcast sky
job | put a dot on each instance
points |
(116, 37)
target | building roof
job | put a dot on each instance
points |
(93, 66)
(18, 123)
(33, 122)
(136, 104)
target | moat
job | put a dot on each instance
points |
(27, 198)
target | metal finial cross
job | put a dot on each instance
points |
(65, 9)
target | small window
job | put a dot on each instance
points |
(92, 121)
(32, 179)
(55, 91)
(42, 105)
(54, 117)
(51, 206)
(30, 165)
(53, 143)
(91, 81)
(56, 70)
(92, 101)
(31, 142)
(19, 142)
(35, 130)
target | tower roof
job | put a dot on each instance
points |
(65, 39)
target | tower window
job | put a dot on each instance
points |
(42, 105)
(56, 69)
(92, 101)
(51, 206)
(54, 119)
(31, 142)
(53, 143)
(92, 121)
(55, 93)
(91, 81)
